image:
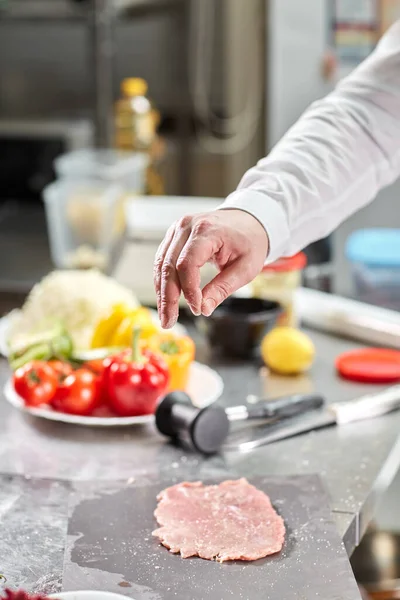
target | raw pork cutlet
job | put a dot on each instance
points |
(230, 521)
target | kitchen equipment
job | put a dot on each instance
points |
(340, 413)
(207, 429)
(370, 365)
(279, 281)
(374, 255)
(128, 169)
(348, 318)
(205, 387)
(84, 223)
(238, 325)
(110, 544)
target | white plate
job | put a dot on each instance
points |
(87, 596)
(205, 387)
(7, 320)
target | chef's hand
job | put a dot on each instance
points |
(232, 239)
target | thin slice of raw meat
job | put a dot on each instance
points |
(230, 521)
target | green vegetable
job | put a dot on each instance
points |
(47, 331)
(55, 343)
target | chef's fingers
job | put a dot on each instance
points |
(158, 263)
(170, 285)
(195, 254)
(228, 281)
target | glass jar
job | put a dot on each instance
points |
(279, 282)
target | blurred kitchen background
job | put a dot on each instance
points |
(228, 78)
(193, 92)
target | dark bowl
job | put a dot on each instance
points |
(238, 325)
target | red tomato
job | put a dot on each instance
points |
(36, 383)
(62, 369)
(77, 394)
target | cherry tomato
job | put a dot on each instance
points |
(62, 369)
(77, 394)
(36, 383)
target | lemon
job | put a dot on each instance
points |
(287, 351)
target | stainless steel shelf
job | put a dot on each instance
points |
(68, 11)
(42, 10)
(99, 16)
(135, 8)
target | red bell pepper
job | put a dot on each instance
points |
(136, 380)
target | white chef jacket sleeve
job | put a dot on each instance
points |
(333, 161)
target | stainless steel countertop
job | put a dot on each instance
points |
(356, 462)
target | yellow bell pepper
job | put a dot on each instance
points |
(105, 328)
(178, 352)
(140, 317)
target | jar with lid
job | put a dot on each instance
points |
(279, 281)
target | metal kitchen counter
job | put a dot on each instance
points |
(356, 462)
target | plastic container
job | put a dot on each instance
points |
(374, 256)
(278, 282)
(84, 223)
(128, 169)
